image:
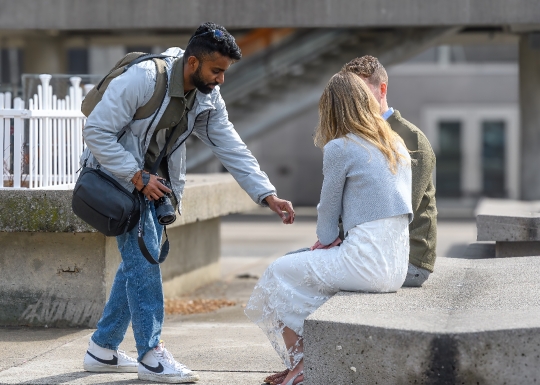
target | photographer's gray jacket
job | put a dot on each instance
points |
(118, 144)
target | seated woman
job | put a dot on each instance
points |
(367, 181)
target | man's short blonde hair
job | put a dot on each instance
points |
(369, 68)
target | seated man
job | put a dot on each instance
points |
(423, 229)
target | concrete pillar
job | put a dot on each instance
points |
(529, 94)
(45, 54)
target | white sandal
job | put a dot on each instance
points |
(291, 381)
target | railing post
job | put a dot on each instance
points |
(76, 97)
(18, 131)
(7, 135)
(2, 141)
(46, 144)
(31, 149)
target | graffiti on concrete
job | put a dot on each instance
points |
(51, 309)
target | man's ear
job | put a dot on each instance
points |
(383, 89)
(193, 63)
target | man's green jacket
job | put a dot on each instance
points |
(423, 228)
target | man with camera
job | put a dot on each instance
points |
(148, 154)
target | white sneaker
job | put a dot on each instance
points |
(98, 359)
(160, 366)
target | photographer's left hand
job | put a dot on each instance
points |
(279, 206)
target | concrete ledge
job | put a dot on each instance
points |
(513, 225)
(209, 196)
(46, 211)
(206, 196)
(55, 270)
(508, 229)
(474, 321)
(508, 220)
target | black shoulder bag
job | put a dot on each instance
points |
(107, 206)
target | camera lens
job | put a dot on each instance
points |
(166, 219)
(164, 207)
(165, 211)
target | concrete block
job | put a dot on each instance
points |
(508, 220)
(55, 279)
(507, 229)
(473, 322)
(55, 270)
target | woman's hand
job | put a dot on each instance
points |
(319, 245)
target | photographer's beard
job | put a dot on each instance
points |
(199, 82)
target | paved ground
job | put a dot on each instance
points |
(223, 346)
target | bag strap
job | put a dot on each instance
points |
(156, 164)
(144, 212)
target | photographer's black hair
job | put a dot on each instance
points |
(203, 43)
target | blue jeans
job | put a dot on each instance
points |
(136, 294)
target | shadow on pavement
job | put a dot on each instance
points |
(67, 378)
(24, 334)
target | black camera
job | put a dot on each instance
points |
(164, 207)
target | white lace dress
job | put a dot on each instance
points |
(373, 258)
(375, 206)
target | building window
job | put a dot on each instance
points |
(449, 159)
(493, 159)
(11, 64)
(77, 61)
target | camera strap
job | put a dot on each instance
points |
(145, 207)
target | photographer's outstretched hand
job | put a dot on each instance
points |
(280, 206)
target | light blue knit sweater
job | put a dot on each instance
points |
(359, 186)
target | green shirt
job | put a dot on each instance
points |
(175, 115)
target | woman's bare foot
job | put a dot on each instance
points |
(276, 378)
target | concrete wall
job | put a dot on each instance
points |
(50, 278)
(291, 160)
(412, 87)
(64, 279)
(294, 164)
(57, 271)
(170, 14)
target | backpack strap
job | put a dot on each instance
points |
(157, 97)
(95, 95)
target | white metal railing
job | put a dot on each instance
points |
(41, 146)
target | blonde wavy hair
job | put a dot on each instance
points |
(348, 106)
